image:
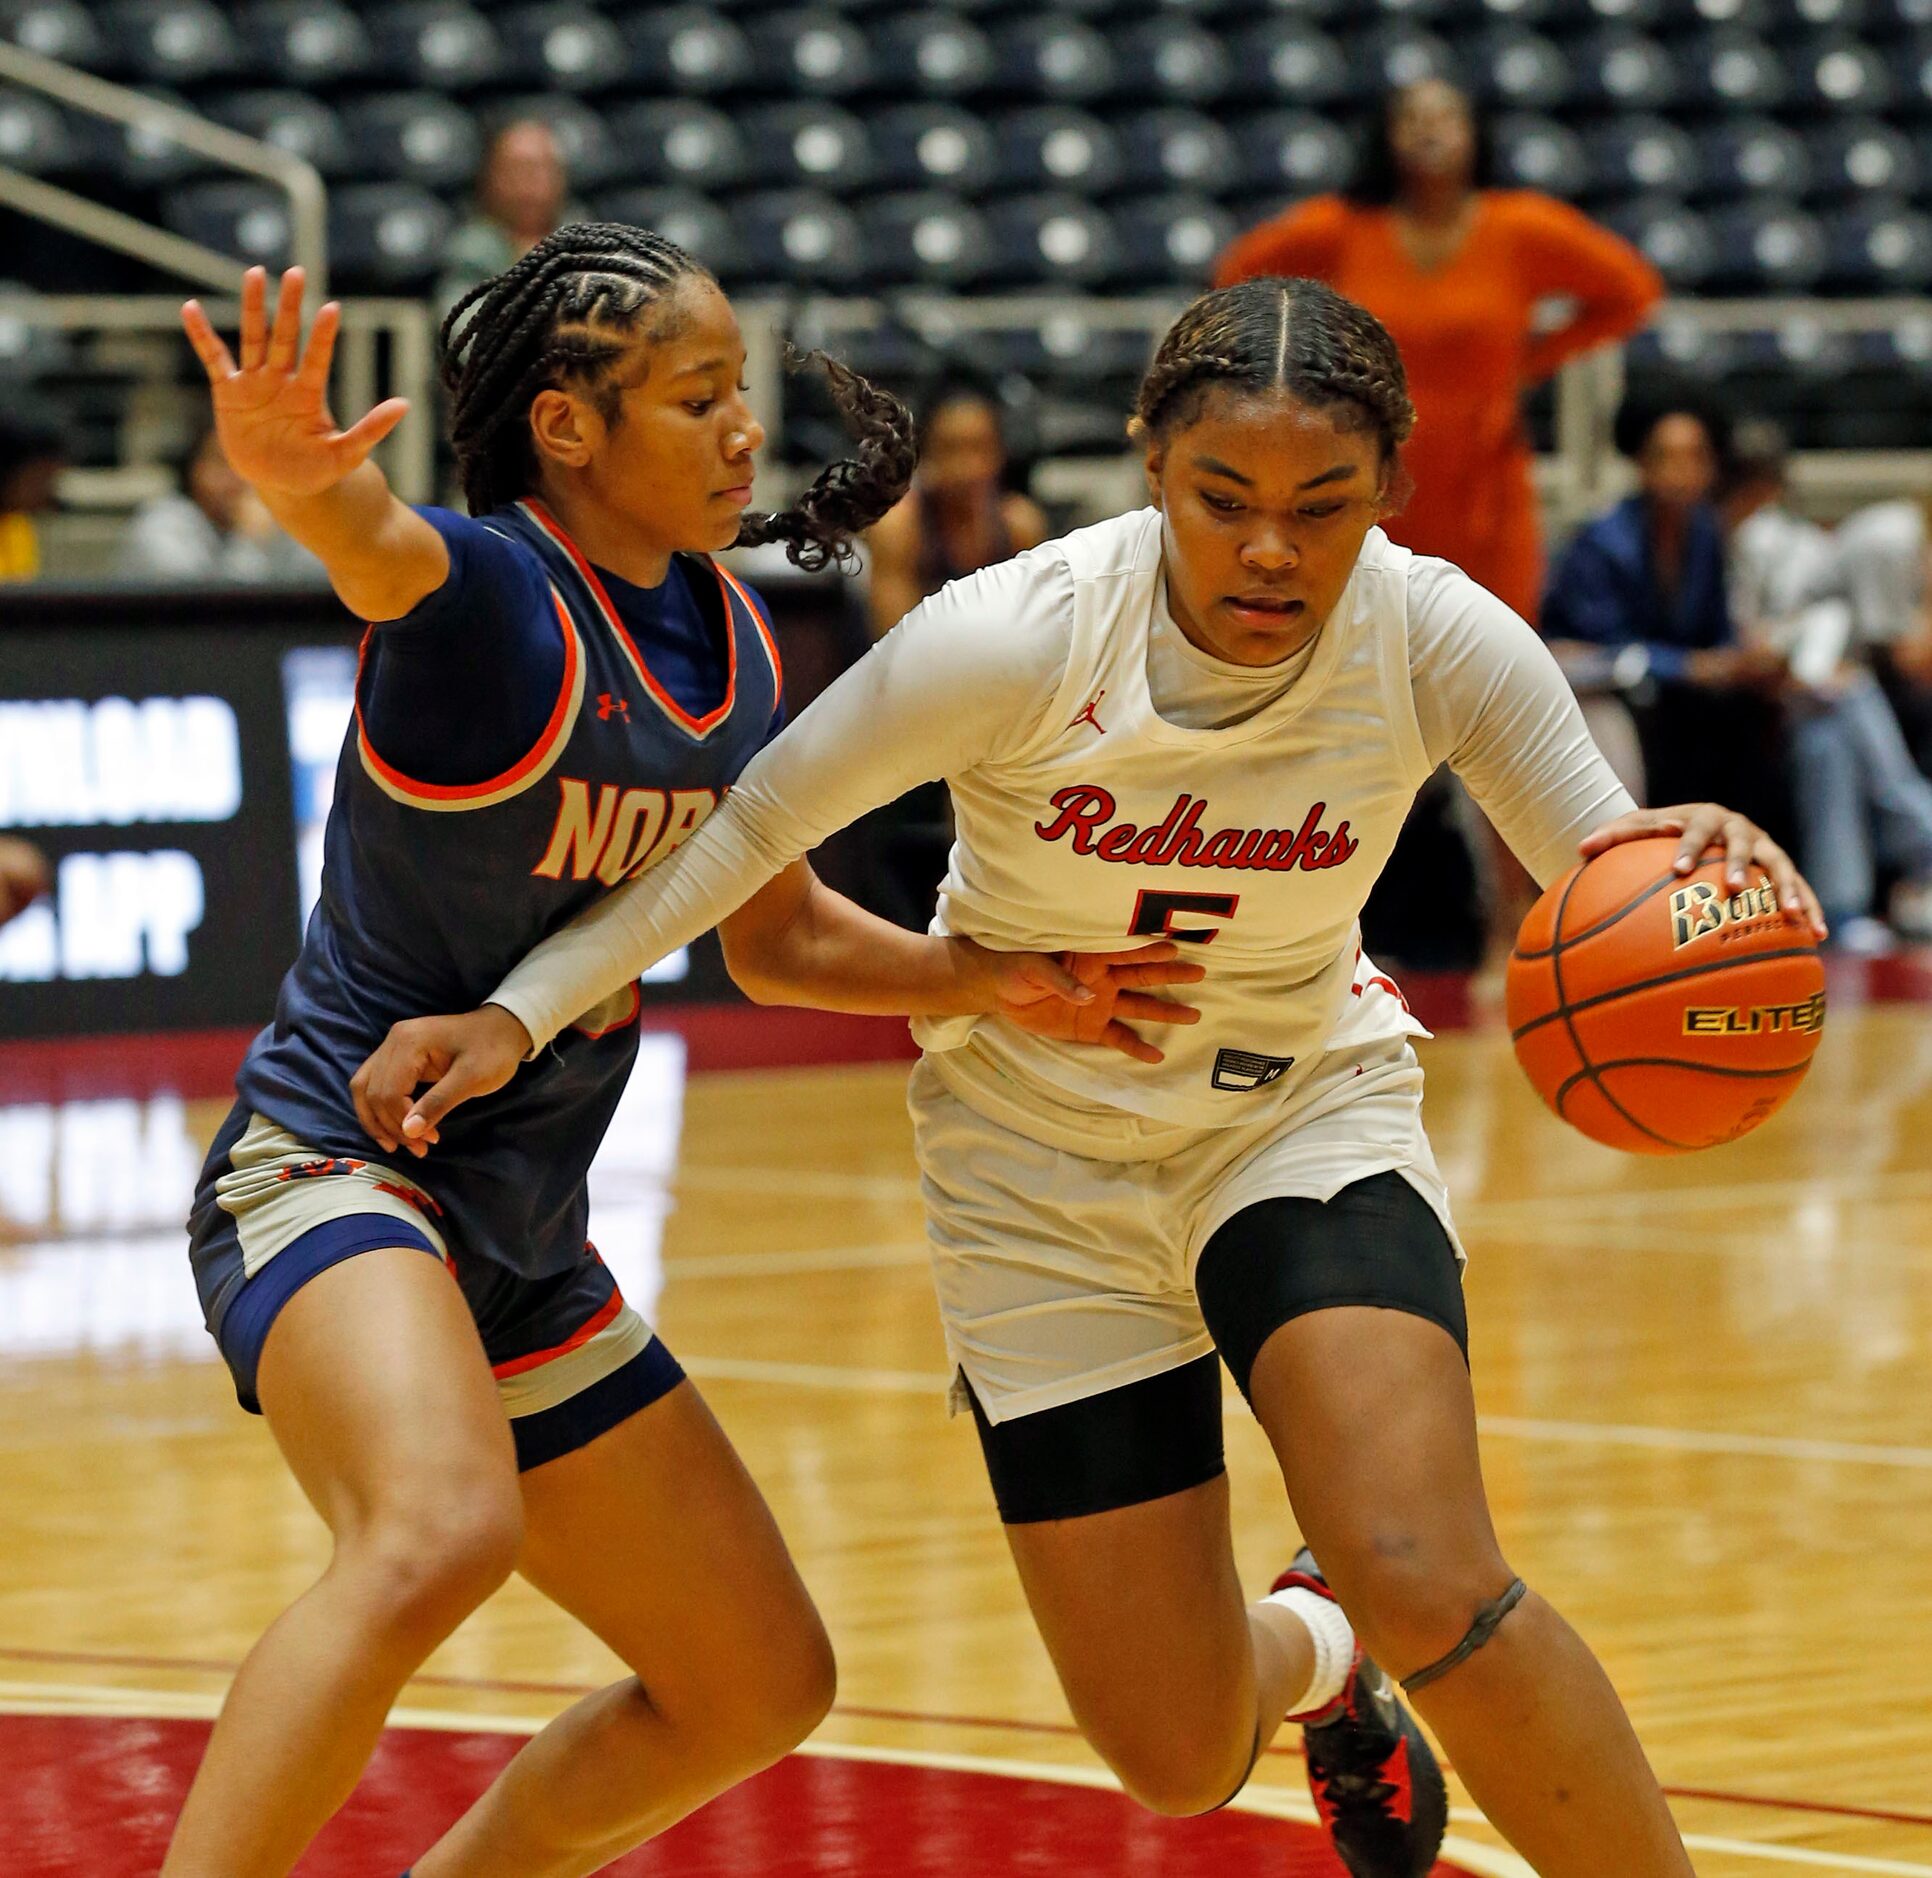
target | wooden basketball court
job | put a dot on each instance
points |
(1708, 1438)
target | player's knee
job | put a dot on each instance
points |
(434, 1561)
(1177, 1771)
(1411, 1605)
(796, 1683)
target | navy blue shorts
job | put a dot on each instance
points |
(571, 1358)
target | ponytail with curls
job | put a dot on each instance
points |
(565, 314)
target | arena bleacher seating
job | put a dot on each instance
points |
(1751, 147)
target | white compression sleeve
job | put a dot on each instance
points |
(959, 679)
(1493, 704)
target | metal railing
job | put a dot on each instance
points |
(127, 234)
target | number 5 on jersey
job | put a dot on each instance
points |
(1154, 914)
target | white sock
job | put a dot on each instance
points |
(1334, 1643)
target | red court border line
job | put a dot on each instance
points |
(487, 1685)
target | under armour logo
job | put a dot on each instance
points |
(1087, 716)
(609, 707)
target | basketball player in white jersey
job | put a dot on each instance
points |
(1205, 722)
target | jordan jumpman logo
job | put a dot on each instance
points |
(1087, 716)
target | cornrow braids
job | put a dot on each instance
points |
(563, 314)
(853, 493)
(1275, 334)
(566, 313)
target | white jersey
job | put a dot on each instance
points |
(1245, 811)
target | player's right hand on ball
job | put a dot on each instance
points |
(272, 410)
(460, 1057)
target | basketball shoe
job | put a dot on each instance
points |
(1375, 1778)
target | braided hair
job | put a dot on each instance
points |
(566, 313)
(1287, 335)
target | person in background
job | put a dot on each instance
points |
(1883, 553)
(24, 876)
(960, 515)
(1638, 615)
(522, 195)
(213, 528)
(1859, 799)
(33, 452)
(1456, 270)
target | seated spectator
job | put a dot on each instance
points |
(521, 196)
(960, 515)
(1638, 615)
(1883, 555)
(33, 452)
(1859, 799)
(214, 528)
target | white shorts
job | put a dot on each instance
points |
(1063, 1275)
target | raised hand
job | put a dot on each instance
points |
(272, 410)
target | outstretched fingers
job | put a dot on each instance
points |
(361, 437)
(216, 360)
(320, 355)
(286, 336)
(254, 318)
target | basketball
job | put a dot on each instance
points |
(1659, 1012)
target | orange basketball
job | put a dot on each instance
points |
(1660, 1012)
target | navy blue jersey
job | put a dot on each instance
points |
(431, 891)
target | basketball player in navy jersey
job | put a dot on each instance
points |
(551, 697)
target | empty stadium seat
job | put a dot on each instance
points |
(142, 157)
(1732, 70)
(687, 49)
(1292, 153)
(1405, 54)
(1840, 73)
(1880, 246)
(416, 137)
(1177, 149)
(814, 53)
(1513, 68)
(56, 29)
(307, 43)
(699, 224)
(290, 120)
(1538, 153)
(1052, 56)
(801, 238)
(926, 238)
(938, 146)
(391, 235)
(807, 145)
(1173, 60)
(1290, 63)
(1052, 239)
(931, 55)
(246, 219)
(1640, 154)
(1767, 246)
(1624, 70)
(441, 45)
(1057, 147)
(562, 45)
(1858, 154)
(37, 136)
(679, 141)
(172, 42)
(1676, 240)
(1172, 238)
(1754, 155)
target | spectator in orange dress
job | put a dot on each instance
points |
(1455, 270)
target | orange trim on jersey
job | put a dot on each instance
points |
(630, 1017)
(697, 726)
(764, 632)
(475, 795)
(604, 1317)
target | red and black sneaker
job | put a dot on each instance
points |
(1375, 1778)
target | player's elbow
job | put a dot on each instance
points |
(756, 964)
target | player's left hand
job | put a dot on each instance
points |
(1031, 992)
(459, 1056)
(1701, 826)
